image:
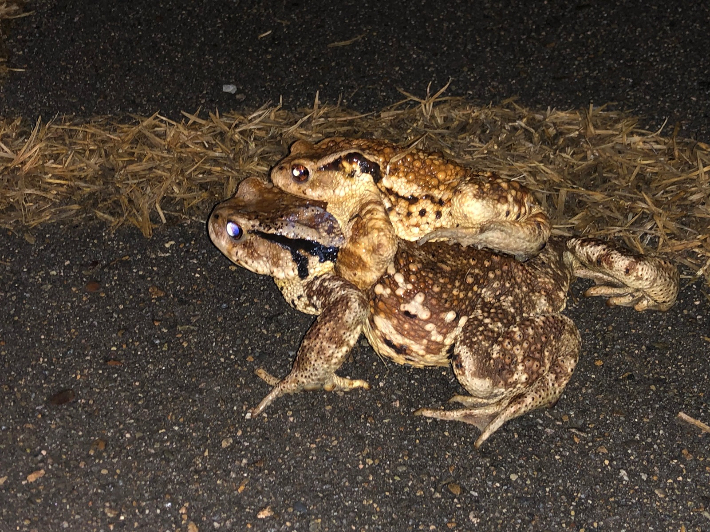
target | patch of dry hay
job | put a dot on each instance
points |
(596, 171)
(9, 9)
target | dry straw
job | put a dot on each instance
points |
(9, 9)
(595, 170)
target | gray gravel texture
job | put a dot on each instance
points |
(158, 339)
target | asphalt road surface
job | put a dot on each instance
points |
(127, 364)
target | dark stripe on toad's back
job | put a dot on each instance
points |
(366, 166)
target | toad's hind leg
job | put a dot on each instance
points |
(497, 214)
(525, 368)
(326, 344)
(625, 278)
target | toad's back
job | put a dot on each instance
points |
(420, 305)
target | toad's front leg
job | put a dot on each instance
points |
(526, 367)
(343, 309)
(371, 244)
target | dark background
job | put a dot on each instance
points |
(105, 57)
(161, 355)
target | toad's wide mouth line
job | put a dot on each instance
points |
(299, 246)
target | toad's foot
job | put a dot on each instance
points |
(479, 417)
(625, 278)
(489, 418)
(485, 411)
(294, 383)
(522, 240)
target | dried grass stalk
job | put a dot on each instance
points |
(9, 9)
(595, 170)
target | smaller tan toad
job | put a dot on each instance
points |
(378, 190)
(495, 320)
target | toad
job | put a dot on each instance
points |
(381, 192)
(496, 321)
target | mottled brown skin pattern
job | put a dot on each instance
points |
(430, 293)
(495, 320)
(414, 194)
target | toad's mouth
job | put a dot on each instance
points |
(299, 246)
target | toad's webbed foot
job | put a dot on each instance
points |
(294, 383)
(489, 418)
(625, 278)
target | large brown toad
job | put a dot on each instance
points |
(497, 321)
(378, 191)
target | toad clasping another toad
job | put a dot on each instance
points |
(495, 320)
(381, 192)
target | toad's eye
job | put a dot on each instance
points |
(300, 173)
(234, 230)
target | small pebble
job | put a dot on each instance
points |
(93, 286)
(35, 475)
(265, 512)
(454, 488)
(155, 292)
(62, 397)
